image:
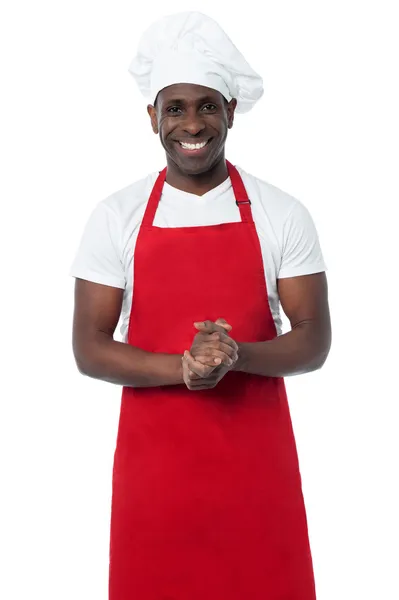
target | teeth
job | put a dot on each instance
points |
(193, 146)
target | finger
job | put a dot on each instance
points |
(203, 336)
(227, 362)
(210, 361)
(209, 356)
(202, 386)
(189, 376)
(199, 369)
(207, 338)
(223, 323)
(224, 338)
(208, 327)
(196, 367)
(213, 348)
(191, 379)
(209, 348)
(200, 382)
(193, 376)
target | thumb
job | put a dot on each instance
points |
(211, 327)
(206, 326)
(224, 324)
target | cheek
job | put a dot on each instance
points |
(222, 134)
(221, 127)
(165, 128)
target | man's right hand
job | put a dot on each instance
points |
(212, 346)
(194, 374)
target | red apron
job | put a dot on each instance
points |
(207, 501)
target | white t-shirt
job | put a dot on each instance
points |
(287, 234)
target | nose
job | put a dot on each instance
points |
(193, 124)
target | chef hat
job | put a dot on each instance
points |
(190, 47)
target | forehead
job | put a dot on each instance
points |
(188, 92)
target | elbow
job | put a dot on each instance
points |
(322, 355)
(83, 360)
(319, 363)
(83, 366)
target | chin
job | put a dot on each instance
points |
(194, 169)
(194, 166)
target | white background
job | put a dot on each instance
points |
(74, 129)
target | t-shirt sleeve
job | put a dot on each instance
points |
(98, 257)
(301, 251)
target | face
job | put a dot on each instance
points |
(192, 122)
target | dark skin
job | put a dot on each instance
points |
(190, 113)
(98, 355)
(305, 348)
(193, 113)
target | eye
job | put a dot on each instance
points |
(173, 110)
(209, 107)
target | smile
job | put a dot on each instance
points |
(193, 148)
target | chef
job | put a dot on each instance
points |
(196, 260)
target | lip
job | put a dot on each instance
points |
(196, 152)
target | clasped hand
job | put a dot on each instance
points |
(212, 354)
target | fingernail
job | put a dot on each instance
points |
(217, 360)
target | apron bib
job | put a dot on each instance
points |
(207, 500)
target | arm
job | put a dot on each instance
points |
(305, 348)
(97, 354)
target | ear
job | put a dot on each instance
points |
(230, 112)
(153, 116)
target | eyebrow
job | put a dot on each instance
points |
(200, 100)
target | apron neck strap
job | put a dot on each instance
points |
(154, 198)
(240, 193)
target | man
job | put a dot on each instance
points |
(207, 501)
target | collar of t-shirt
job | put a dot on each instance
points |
(172, 195)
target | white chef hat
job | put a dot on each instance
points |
(190, 47)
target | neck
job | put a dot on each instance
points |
(197, 184)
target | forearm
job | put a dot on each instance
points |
(301, 350)
(123, 364)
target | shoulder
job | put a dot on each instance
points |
(277, 203)
(126, 201)
(114, 218)
(284, 218)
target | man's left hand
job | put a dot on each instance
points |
(196, 375)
